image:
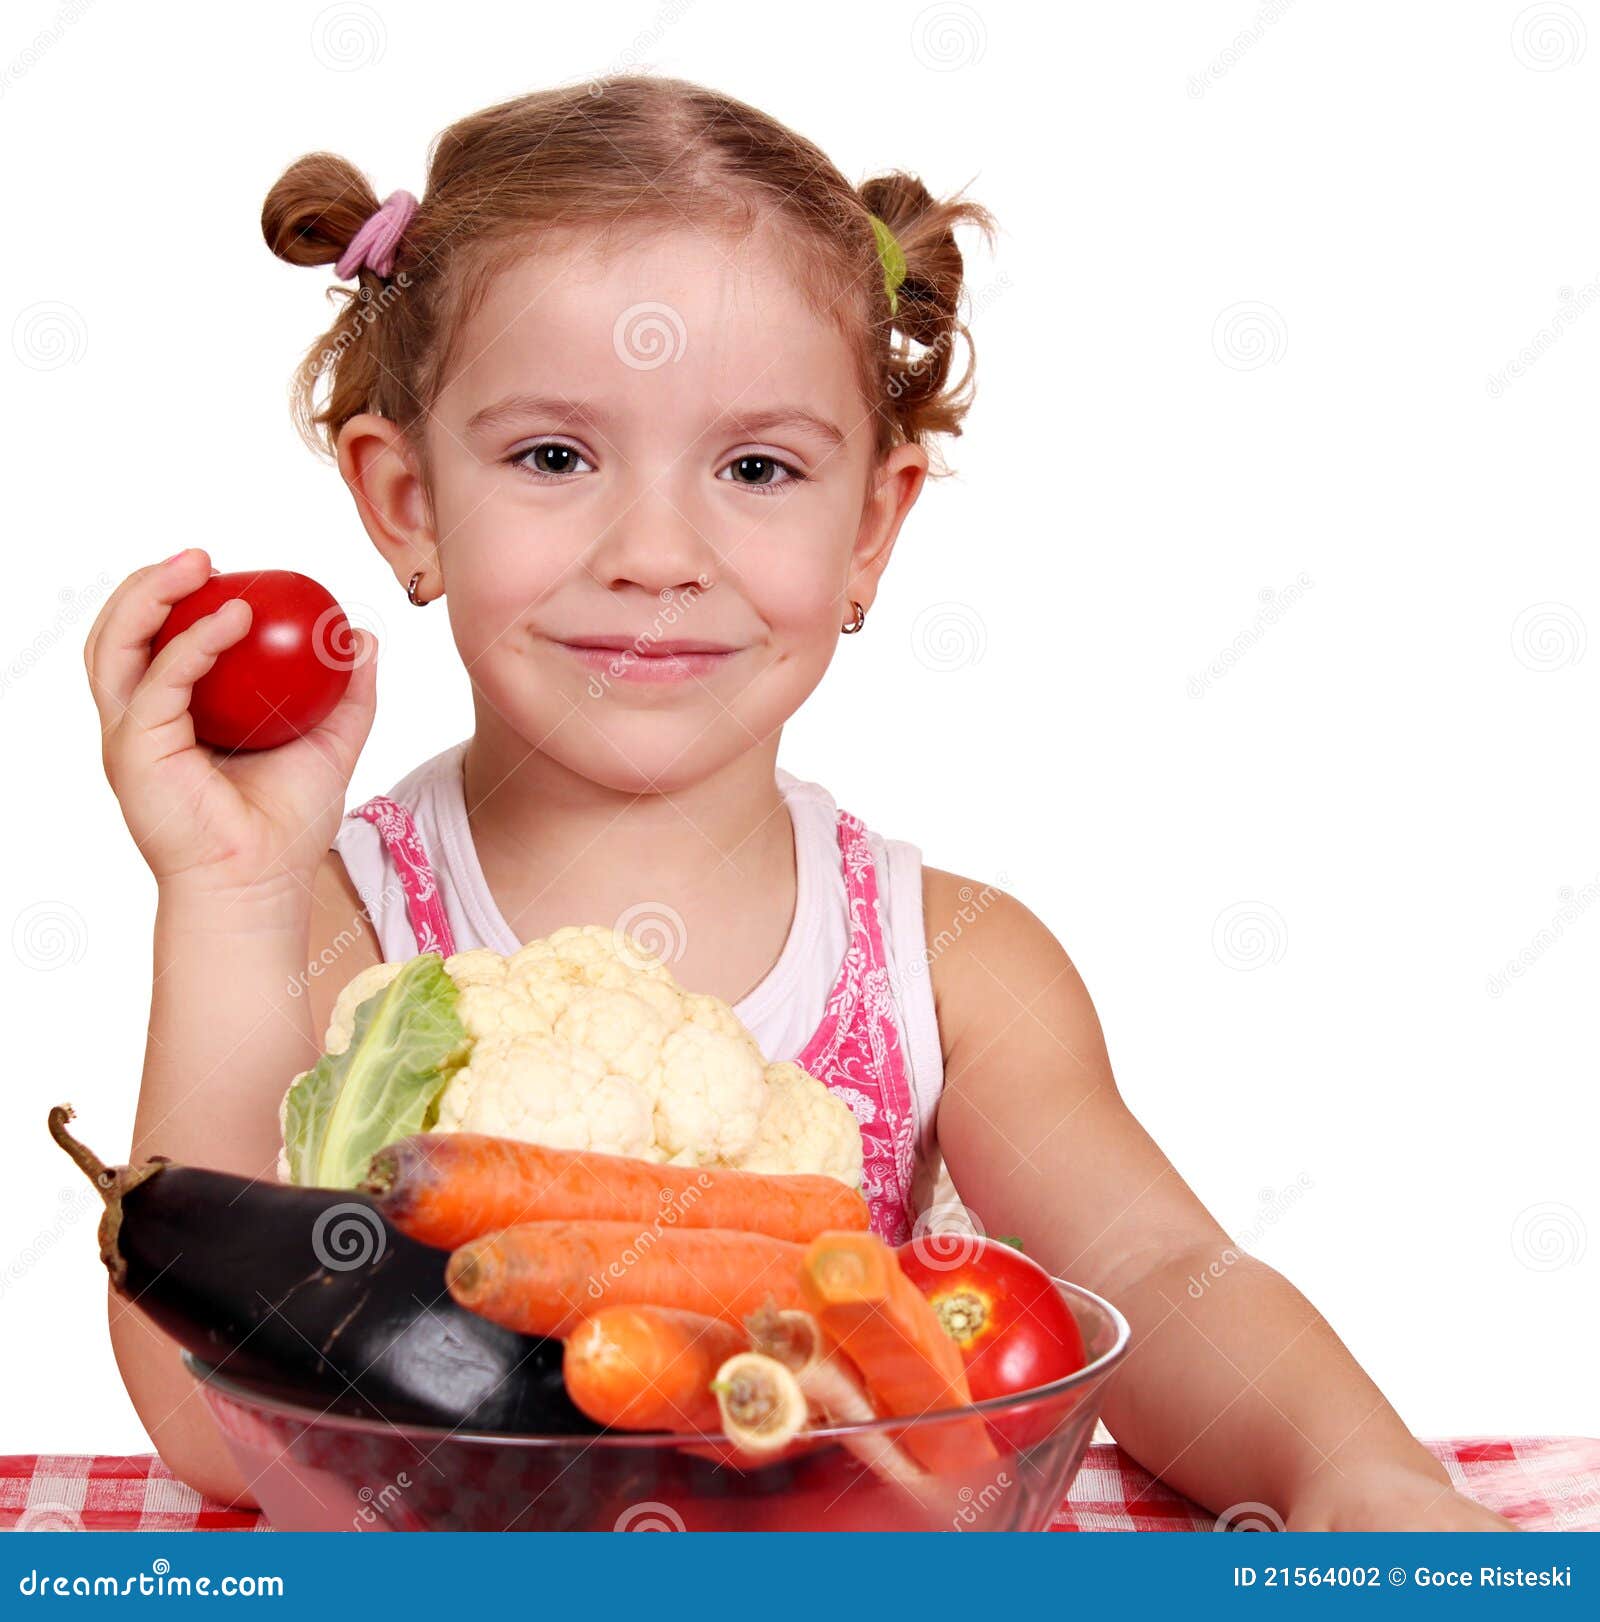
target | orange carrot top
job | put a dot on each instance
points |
(881, 1321)
(541, 1278)
(445, 1188)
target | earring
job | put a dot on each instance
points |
(858, 622)
(411, 591)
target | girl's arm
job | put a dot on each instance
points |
(234, 1016)
(1236, 1390)
(239, 846)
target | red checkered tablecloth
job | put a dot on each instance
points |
(1542, 1483)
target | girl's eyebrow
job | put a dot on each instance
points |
(517, 407)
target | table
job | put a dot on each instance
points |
(1542, 1483)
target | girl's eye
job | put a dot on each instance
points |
(753, 473)
(554, 463)
(548, 460)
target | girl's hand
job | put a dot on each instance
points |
(255, 822)
(1398, 1500)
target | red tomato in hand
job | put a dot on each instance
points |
(284, 675)
(1005, 1313)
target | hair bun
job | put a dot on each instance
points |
(924, 228)
(926, 400)
(315, 209)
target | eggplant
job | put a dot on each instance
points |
(310, 1294)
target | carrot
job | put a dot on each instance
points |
(445, 1188)
(886, 1326)
(762, 1406)
(541, 1278)
(833, 1391)
(649, 1368)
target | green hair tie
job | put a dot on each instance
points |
(894, 262)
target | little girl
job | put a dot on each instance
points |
(644, 390)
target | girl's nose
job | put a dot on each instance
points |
(654, 544)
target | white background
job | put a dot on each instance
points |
(1287, 871)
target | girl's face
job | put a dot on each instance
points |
(664, 447)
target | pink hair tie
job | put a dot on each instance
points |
(374, 244)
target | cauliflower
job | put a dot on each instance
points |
(804, 1125)
(582, 1040)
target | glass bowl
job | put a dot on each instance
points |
(322, 1472)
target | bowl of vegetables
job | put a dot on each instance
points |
(314, 1469)
(490, 1334)
(553, 1246)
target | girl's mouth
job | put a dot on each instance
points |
(651, 662)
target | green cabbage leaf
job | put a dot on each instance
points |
(407, 1044)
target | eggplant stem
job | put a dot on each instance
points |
(113, 1183)
(92, 1166)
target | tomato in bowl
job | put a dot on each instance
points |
(1003, 1310)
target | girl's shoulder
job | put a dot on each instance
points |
(991, 960)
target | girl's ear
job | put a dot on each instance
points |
(380, 465)
(896, 484)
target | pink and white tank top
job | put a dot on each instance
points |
(849, 998)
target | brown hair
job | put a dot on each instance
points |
(615, 159)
